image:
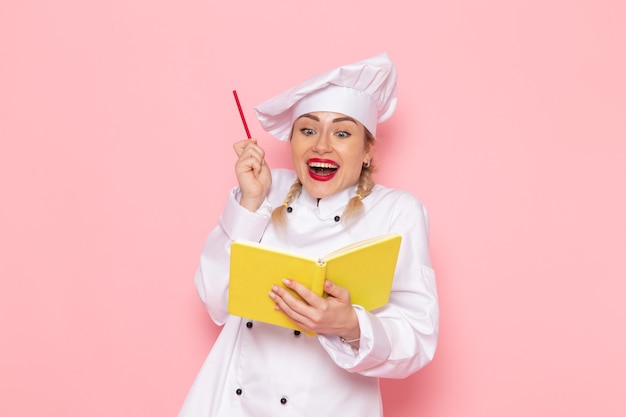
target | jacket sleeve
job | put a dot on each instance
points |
(401, 337)
(212, 275)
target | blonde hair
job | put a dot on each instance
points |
(355, 205)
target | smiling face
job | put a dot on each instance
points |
(328, 152)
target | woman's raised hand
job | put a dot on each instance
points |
(253, 173)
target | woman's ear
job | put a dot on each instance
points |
(368, 156)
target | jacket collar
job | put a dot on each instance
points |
(329, 206)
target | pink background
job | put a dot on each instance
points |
(116, 125)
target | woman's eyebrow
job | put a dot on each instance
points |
(344, 119)
(310, 116)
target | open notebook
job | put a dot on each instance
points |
(366, 268)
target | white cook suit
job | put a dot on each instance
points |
(256, 369)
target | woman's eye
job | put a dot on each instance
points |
(306, 131)
(343, 134)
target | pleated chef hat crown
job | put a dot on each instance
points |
(364, 90)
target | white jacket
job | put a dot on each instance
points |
(258, 370)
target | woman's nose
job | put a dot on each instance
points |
(322, 144)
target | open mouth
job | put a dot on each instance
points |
(322, 170)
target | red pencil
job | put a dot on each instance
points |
(243, 119)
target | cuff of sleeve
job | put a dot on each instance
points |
(374, 346)
(241, 223)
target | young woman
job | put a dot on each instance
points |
(327, 201)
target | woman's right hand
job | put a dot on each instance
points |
(253, 173)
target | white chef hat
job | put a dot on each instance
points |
(364, 90)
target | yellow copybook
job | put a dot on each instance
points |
(366, 268)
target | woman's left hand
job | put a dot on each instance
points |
(326, 315)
